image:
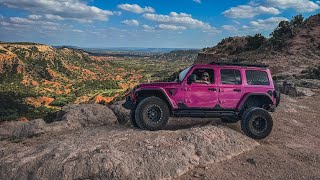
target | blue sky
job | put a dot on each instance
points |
(143, 23)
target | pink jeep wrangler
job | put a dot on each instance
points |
(230, 91)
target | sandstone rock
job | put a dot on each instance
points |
(70, 117)
(304, 91)
(309, 83)
(87, 115)
(288, 88)
(122, 114)
(113, 152)
(20, 129)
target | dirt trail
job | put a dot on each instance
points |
(292, 151)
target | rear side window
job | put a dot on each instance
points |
(230, 76)
(257, 77)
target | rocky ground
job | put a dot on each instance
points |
(87, 142)
(290, 152)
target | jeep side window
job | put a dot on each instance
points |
(255, 77)
(230, 76)
(201, 75)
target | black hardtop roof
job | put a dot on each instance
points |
(239, 64)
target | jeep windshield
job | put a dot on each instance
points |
(184, 73)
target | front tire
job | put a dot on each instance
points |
(133, 119)
(152, 113)
(256, 123)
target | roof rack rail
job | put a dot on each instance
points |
(238, 64)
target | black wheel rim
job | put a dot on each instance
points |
(154, 114)
(259, 124)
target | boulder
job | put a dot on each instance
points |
(122, 114)
(294, 90)
(288, 88)
(70, 117)
(304, 91)
(21, 129)
(309, 83)
(86, 115)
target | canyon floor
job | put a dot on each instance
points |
(188, 148)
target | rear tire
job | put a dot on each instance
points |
(256, 123)
(152, 113)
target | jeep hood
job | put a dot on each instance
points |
(158, 84)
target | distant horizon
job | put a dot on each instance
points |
(120, 47)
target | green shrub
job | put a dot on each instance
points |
(281, 33)
(285, 30)
(254, 42)
(62, 100)
(12, 105)
(297, 20)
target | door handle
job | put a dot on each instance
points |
(212, 89)
(237, 90)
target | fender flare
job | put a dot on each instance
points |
(244, 99)
(162, 91)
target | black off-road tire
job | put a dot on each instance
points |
(245, 112)
(152, 113)
(133, 119)
(230, 119)
(256, 123)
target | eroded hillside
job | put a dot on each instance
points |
(38, 79)
(293, 47)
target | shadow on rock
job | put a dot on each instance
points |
(70, 117)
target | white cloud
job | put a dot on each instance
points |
(299, 5)
(197, 1)
(34, 17)
(135, 8)
(229, 28)
(53, 17)
(35, 22)
(132, 22)
(5, 23)
(171, 27)
(66, 9)
(179, 19)
(148, 28)
(318, 2)
(77, 30)
(248, 11)
(269, 23)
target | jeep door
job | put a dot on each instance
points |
(230, 87)
(201, 94)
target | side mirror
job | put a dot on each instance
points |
(192, 78)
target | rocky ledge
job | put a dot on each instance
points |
(87, 142)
